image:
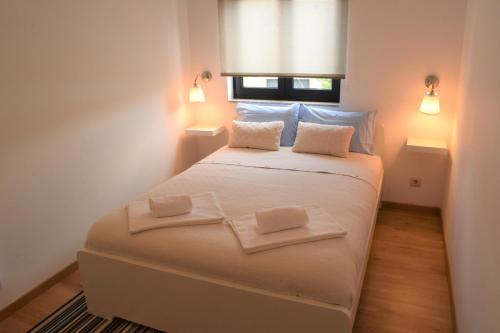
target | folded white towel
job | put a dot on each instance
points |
(321, 226)
(280, 218)
(206, 210)
(170, 205)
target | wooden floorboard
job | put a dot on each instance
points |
(405, 289)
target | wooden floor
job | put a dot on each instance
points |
(405, 289)
(406, 285)
(42, 306)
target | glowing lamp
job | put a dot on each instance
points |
(430, 102)
(196, 94)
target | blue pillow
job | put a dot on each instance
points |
(363, 123)
(288, 113)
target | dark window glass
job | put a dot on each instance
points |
(287, 89)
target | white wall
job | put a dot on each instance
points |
(472, 220)
(92, 110)
(393, 45)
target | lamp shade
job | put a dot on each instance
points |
(196, 94)
(430, 103)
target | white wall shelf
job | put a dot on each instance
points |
(202, 130)
(438, 147)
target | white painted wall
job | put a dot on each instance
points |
(92, 110)
(472, 220)
(393, 45)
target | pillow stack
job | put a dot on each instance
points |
(363, 123)
(308, 128)
(287, 113)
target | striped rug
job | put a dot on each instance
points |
(74, 317)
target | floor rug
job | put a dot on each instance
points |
(74, 317)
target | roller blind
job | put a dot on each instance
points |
(287, 38)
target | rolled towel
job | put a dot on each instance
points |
(170, 205)
(280, 218)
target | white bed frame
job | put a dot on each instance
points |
(176, 302)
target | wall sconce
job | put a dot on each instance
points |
(430, 102)
(196, 94)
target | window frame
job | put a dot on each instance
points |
(286, 92)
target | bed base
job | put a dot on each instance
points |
(179, 302)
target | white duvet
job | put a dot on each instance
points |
(246, 180)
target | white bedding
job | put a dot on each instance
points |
(246, 180)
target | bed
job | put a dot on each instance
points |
(198, 279)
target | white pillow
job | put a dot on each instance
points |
(260, 135)
(323, 139)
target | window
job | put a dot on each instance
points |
(286, 89)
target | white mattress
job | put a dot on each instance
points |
(246, 180)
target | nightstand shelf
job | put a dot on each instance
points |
(201, 130)
(438, 147)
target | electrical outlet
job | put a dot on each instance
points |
(415, 182)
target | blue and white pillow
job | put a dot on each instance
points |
(363, 123)
(288, 113)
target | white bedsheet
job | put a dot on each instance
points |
(247, 180)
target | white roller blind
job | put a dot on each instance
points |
(299, 38)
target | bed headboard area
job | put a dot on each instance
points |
(368, 138)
